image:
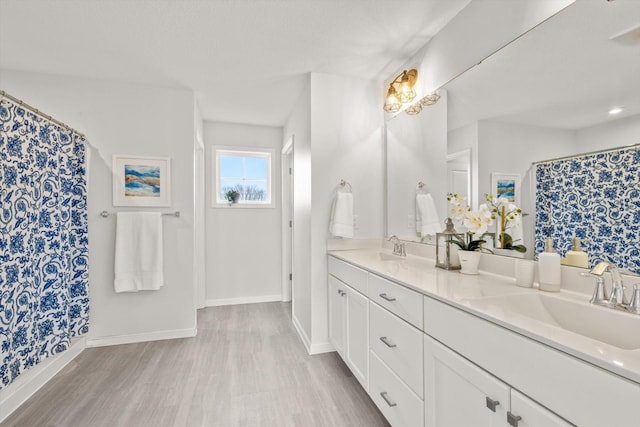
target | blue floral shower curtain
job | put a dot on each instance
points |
(44, 299)
(595, 197)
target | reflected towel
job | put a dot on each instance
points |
(341, 221)
(138, 258)
(427, 221)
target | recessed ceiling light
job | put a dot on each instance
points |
(616, 110)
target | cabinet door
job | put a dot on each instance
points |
(337, 314)
(532, 414)
(458, 393)
(357, 340)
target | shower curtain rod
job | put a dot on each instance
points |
(606, 150)
(20, 102)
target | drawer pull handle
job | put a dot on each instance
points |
(386, 399)
(513, 419)
(387, 298)
(491, 404)
(387, 342)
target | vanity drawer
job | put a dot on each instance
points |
(396, 401)
(398, 344)
(397, 299)
(349, 274)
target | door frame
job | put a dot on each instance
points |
(287, 174)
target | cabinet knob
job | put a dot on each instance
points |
(387, 342)
(387, 298)
(386, 399)
(491, 404)
(513, 419)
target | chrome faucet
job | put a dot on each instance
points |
(617, 297)
(398, 246)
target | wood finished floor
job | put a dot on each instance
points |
(246, 367)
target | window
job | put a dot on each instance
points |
(247, 172)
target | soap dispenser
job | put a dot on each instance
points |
(576, 256)
(549, 268)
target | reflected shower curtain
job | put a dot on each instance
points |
(44, 299)
(595, 197)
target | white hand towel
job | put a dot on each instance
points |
(138, 258)
(427, 221)
(341, 222)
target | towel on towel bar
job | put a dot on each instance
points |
(427, 221)
(138, 258)
(341, 222)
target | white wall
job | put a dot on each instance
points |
(615, 133)
(346, 143)
(243, 245)
(477, 31)
(121, 118)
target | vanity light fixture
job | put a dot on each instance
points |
(392, 104)
(616, 110)
(401, 90)
(413, 109)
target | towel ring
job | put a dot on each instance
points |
(345, 185)
(421, 188)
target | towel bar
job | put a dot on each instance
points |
(105, 214)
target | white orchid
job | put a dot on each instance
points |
(478, 222)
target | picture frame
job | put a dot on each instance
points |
(142, 181)
(506, 185)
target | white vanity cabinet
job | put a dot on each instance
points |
(349, 324)
(459, 393)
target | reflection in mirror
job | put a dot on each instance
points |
(544, 96)
(459, 174)
(416, 152)
(547, 95)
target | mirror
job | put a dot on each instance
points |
(546, 95)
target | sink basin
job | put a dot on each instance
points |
(606, 325)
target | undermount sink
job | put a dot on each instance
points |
(606, 325)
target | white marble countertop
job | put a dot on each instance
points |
(473, 295)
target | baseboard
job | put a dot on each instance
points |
(136, 338)
(31, 381)
(301, 333)
(242, 300)
(324, 347)
(312, 348)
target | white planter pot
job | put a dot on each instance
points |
(469, 261)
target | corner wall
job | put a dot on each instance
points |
(243, 245)
(121, 118)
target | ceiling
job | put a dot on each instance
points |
(565, 74)
(245, 60)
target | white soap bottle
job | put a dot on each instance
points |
(549, 268)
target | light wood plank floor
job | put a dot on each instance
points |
(246, 367)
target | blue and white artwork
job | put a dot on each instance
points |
(141, 181)
(595, 197)
(506, 188)
(44, 295)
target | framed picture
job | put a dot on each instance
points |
(141, 181)
(506, 185)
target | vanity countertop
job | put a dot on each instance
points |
(472, 293)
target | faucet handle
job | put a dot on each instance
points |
(600, 292)
(617, 295)
(634, 305)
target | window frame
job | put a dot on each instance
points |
(218, 152)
